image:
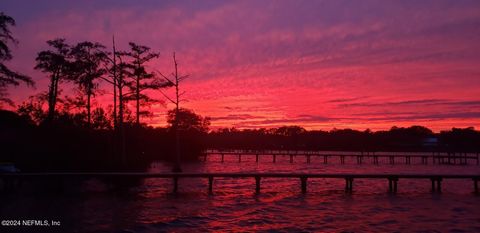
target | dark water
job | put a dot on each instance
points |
(280, 207)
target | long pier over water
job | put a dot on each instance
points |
(461, 158)
(8, 179)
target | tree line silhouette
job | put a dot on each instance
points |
(56, 132)
(414, 138)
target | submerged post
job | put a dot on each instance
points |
(308, 158)
(256, 158)
(222, 157)
(291, 158)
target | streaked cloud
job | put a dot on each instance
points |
(321, 64)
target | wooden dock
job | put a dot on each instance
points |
(436, 179)
(452, 158)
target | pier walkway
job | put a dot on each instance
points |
(459, 158)
(8, 179)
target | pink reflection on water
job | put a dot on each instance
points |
(325, 207)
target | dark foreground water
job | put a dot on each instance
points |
(234, 206)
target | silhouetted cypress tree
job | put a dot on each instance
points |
(56, 63)
(175, 82)
(142, 79)
(89, 60)
(7, 76)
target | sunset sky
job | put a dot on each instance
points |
(318, 64)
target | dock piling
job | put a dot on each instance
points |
(359, 159)
(475, 186)
(210, 185)
(257, 184)
(348, 185)
(175, 184)
(438, 186)
(392, 184)
(303, 180)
